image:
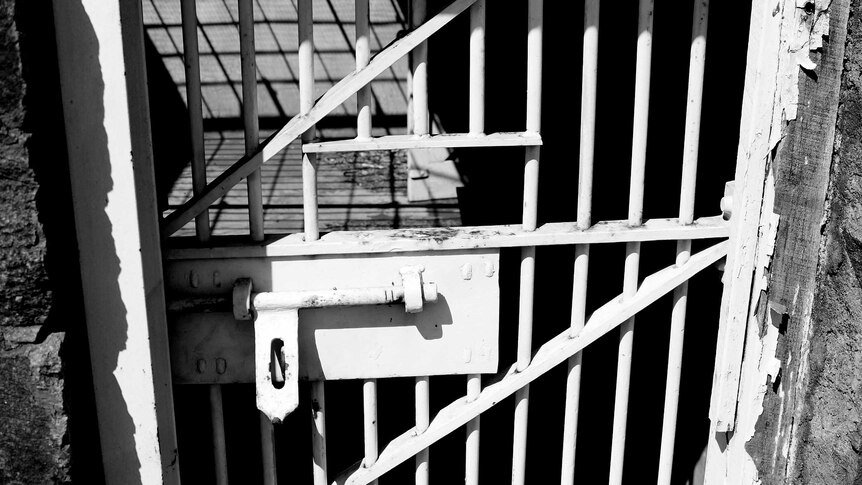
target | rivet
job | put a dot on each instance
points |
(489, 269)
(202, 366)
(467, 271)
(216, 279)
(221, 365)
(194, 279)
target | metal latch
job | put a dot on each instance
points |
(276, 322)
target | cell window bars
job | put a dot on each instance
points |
(185, 265)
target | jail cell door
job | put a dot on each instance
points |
(416, 303)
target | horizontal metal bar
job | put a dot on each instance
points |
(402, 142)
(553, 353)
(451, 238)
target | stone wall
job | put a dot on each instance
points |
(33, 439)
(45, 381)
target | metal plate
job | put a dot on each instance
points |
(456, 335)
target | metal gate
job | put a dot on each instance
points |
(293, 287)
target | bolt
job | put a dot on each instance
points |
(216, 279)
(194, 279)
(467, 271)
(468, 355)
(202, 366)
(726, 207)
(221, 365)
(489, 269)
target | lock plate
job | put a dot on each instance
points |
(458, 334)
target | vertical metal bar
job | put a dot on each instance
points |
(306, 102)
(589, 77)
(697, 64)
(199, 181)
(318, 432)
(217, 418)
(423, 414)
(369, 398)
(691, 142)
(255, 194)
(528, 254)
(196, 124)
(471, 469)
(477, 67)
(477, 127)
(624, 368)
(421, 126)
(632, 262)
(249, 114)
(267, 445)
(363, 55)
(421, 119)
(305, 14)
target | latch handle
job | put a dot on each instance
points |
(277, 329)
(276, 324)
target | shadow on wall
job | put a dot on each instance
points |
(92, 184)
(49, 161)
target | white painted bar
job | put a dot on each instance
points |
(103, 82)
(643, 71)
(697, 64)
(255, 193)
(636, 194)
(455, 238)
(306, 103)
(267, 444)
(331, 100)
(589, 80)
(674, 371)
(573, 377)
(318, 433)
(309, 206)
(553, 353)
(249, 114)
(383, 295)
(421, 116)
(584, 221)
(530, 220)
(193, 101)
(369, 415)
(534, 66)
(471, 467)
(477, 67)
(219, 445)
(423, 415)
(363, 56)
(418, 142)
(624, 367)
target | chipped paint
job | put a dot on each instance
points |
(804, 25)
(786, 40)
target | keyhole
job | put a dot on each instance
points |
(276, 364)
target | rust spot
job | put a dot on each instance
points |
(437, 235)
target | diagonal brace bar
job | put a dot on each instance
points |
(553, 353)
(294, 128)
